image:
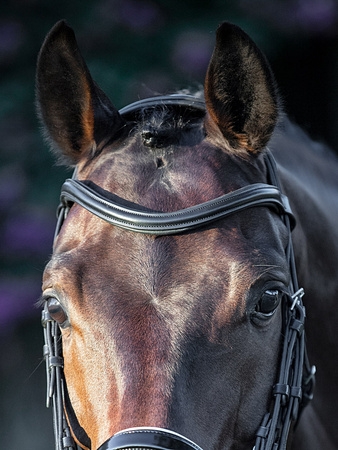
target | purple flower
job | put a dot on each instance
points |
(311, 16)
(316, 15)
(12, 185)
(28, 233)
(11, 38)
(192, 52)
(17, 298)
(139, 15)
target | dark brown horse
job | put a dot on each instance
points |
(182, 332)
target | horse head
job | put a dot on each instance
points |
(173, 331)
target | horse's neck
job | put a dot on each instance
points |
(309, 176)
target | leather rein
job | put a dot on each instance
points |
(295, 382)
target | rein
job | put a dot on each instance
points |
(293, 389)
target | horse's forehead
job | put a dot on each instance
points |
(125, 265)
(169, 178)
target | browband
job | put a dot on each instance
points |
(158, 223)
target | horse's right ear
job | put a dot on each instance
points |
(77, 115)
(240, 91)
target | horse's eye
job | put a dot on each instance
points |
(269, 302)
(56, 311)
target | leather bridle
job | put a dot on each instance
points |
(295, 383)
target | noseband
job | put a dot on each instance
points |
(295, 382)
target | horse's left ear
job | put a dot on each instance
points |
(76, 113)
(240, 91)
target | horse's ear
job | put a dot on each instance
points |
(240, 91)
(76, 114)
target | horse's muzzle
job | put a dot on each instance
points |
(148, 439)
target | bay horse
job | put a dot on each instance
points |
(173, 302)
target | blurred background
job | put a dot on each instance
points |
(134, 48)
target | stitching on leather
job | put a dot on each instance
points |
(167, 434)
(206, 218)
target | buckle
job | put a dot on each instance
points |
(296, 297)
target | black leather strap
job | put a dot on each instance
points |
(148, 438)
(188, 101)
(174, 222)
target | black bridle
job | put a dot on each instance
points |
(295, 383)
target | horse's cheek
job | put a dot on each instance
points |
(74, 375)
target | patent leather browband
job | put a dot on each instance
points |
(137, 220)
